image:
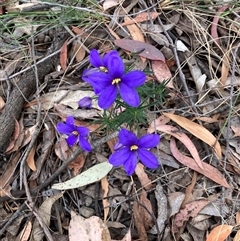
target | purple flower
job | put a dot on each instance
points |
(85, 102)
(75, 133)
(107, 84)
(101, 62)
(134, 148)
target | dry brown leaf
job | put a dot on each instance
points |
(145, 215)
(79, 51)
(106, 204)
(77, 164)
(207, 170)
(44, 212)
(214, 32)
(220, 233)
(135, 31)
(238, 217)
(30, 159)
(171, 130)
(141, 17)
(62, 149)
(6, 178)
(191, 210)
(138, 222)
(112, 32)
(236, 130)
(2, 103)
(197, 130)
(237, 236)
(189, 190)
(145, 50)
(92, 228)
(224, 71)
(143, 177)
(161, 120)
(25, 233)
(109, 4)
(162, 72)
(63, 55)
(14, 137)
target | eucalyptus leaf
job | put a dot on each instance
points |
(93, 174)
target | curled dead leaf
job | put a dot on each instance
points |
(197, 130)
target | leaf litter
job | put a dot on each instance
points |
(193, 195)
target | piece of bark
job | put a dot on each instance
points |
(26, 86)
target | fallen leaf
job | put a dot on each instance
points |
(207, 170)
(44, 212)
(77, 164)
(175, 200)
(162, 207)
(135, 31)
(145, 50)
(162, 72)
(224, 70)
(92, 228)
(109, 4)
(197, 130)
(7, 176)
(146, 211)
(220, 233)
(214, 32)
(63, 55)
(191, 210)
(14, 137)
(30, 159)
(141, 17)
(2, 103)
(25, 233)
(93, 174)
(236, 130)
(189, 189)
(143, 177)
(138, 222)
(171, 130)
(79, 51)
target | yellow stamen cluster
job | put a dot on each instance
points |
(133, 147)
(103, 69)
(116, 81)
(75, 133)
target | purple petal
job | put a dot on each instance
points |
(95, 59)
(127, 138)
(71, 140)
(107, 56)
(99, 81)
(82, 131)
(64, 129)
(115, 66)
(131, 163)
(149, 141)
(107, 97)
(120, 156)
(134, 78)
(147, 158)
(129, 95)
(70, 122)
(84, 144)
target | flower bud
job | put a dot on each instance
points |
(85, 102)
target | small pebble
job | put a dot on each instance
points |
(86, 212)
